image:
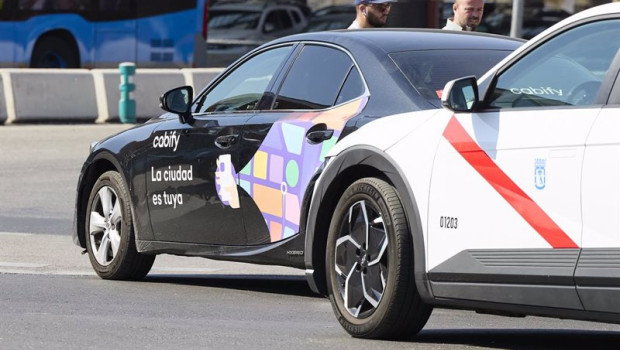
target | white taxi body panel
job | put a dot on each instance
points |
(490, 214)
(366, 135)
(512, 191)
(446, 186)
(601, 185)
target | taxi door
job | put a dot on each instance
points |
(505, 202)
(192, 175)
(597, 271)
(181, 173)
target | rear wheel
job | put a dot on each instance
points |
(110, 240)
(370, 264)
(54, 52)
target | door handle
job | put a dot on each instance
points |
(225, 141)
(318, 136)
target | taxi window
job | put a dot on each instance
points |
(241, 90)
(565, 71)
(315, 79)
(353, 87)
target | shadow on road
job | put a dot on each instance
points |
(273, 284)
(509, 338)
(523, 339)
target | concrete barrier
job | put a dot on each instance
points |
(53, 94)
(80, 95)
(3, 113)
(150, 84)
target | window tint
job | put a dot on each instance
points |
(55, 5)
(429, 71)
(315, 79)
(277, 20)
(233, 19)
(353, 87)
(244, 87)
(567, 70)
(296, 17)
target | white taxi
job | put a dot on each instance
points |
(505, 201)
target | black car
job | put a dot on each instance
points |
(228, 174)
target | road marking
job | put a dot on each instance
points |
(25, 265)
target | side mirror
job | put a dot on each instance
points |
(178, 101)
(460, 95)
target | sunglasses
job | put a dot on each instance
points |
(381, 7)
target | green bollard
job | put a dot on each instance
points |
(126, 104)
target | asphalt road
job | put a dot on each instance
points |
(39, 168)
(51, 299)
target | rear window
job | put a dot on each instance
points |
(429, 71)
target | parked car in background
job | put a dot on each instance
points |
(237, 27)
(331, 18)
(505, 202)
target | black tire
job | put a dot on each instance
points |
(54, 52)
(110, 238)
(380, 261)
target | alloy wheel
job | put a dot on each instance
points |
(106, 220)
(361, 259)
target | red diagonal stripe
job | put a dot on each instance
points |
(519, 200)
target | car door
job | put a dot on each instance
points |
(597, 271)
(505, 201)
(191, 177)
(287, 142)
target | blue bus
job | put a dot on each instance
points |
(102, 33)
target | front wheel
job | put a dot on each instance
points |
(110, 240)
(369, 264)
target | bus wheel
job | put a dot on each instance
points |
(54, 52)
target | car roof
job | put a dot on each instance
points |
(395, 40)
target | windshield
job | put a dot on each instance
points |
(429, 71)
(233, 19)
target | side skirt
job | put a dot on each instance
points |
(288, 252)
(534, 277)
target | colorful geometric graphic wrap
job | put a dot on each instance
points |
(278, 174)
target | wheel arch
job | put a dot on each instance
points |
(62, 34)
(353, 164)
(101, 163)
